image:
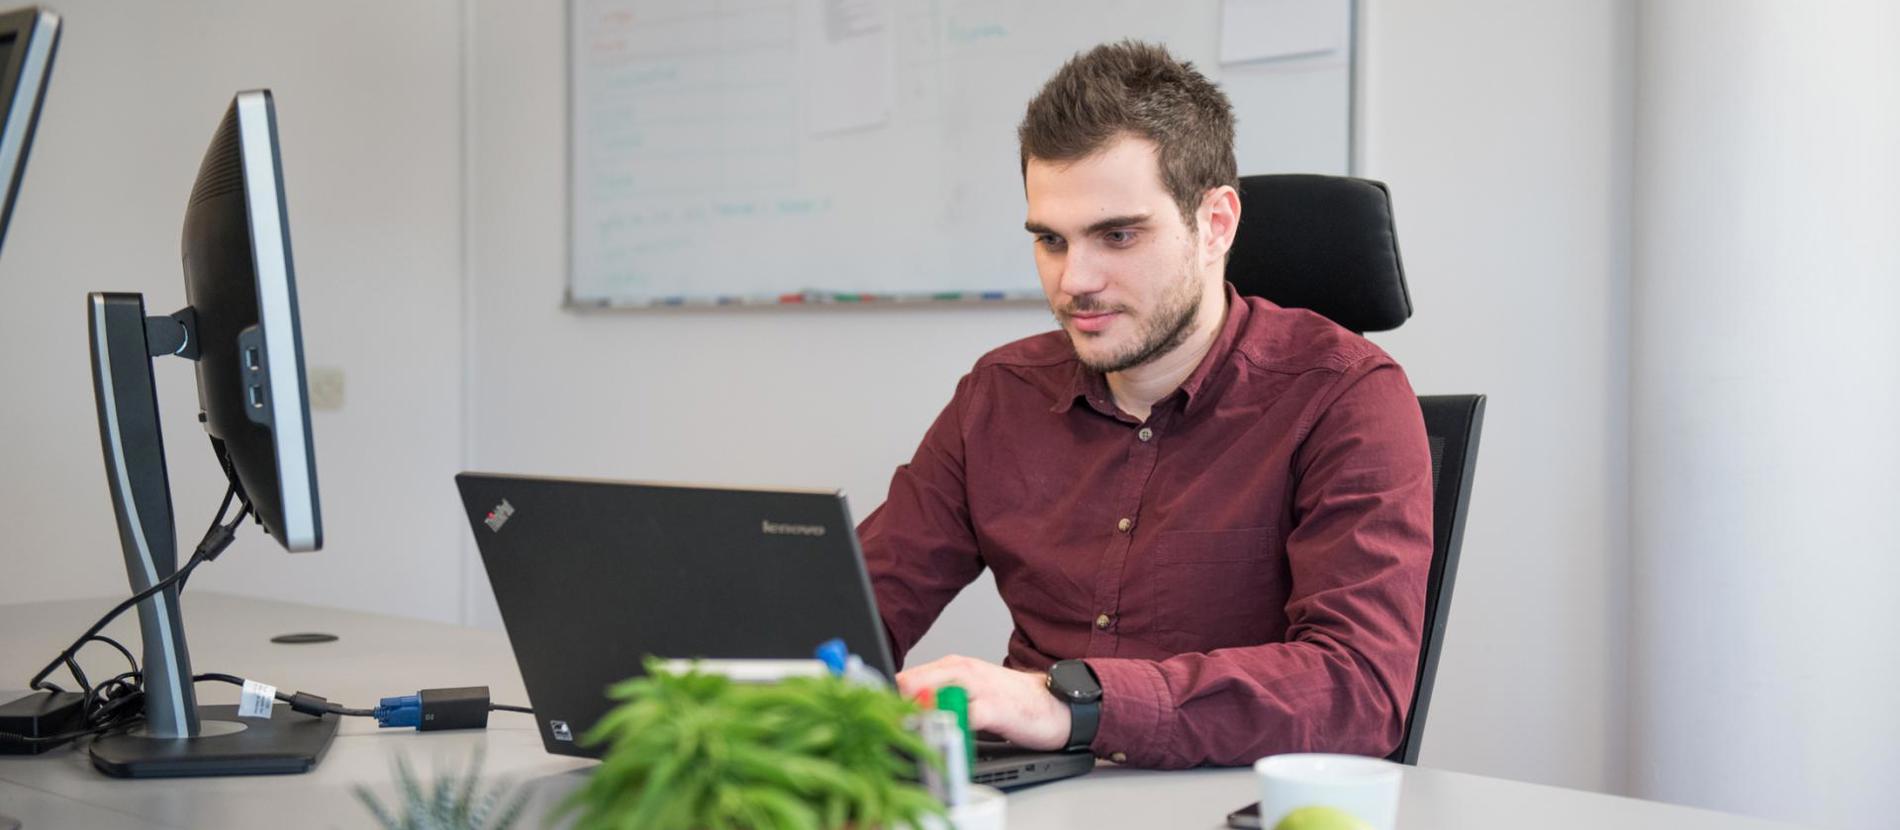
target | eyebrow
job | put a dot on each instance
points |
(1110, 223)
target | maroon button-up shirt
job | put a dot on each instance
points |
(1244, 571)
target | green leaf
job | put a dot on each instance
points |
(783, 810)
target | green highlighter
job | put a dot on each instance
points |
(957, 700)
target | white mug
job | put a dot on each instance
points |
(1366, 788)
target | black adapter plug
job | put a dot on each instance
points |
(433, 709)
(463, 708)
(26, 723)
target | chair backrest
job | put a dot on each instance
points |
(1452, 426)
(1328, 244)
(1322, 243)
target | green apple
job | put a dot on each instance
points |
(1321, 818)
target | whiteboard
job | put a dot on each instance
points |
(803, 151)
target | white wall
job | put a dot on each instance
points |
(1766, 396)
(368, 98)
(1503, 130)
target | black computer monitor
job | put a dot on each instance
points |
(241, 287)
(241, 326)
(28, 39)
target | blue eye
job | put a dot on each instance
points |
(1049, 241)
(1119, 237)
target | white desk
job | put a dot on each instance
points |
(378, 656)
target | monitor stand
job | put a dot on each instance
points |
(178, 737)
(285, 743)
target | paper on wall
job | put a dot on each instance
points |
(1265, 30)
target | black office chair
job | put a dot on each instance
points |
(1326, 244)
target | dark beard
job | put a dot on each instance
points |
(1163, 337)
(1164, 333)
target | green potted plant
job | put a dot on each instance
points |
(695, 751)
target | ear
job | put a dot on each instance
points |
(1219, 219)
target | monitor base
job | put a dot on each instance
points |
(284, 744)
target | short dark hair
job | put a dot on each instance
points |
(1135, 88)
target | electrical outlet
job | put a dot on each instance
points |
(326, 388)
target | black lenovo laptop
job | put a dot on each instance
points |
(593, 576)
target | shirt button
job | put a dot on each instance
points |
(1124, 525)
(1118, 757)
(1102, 621)
(1145, 434)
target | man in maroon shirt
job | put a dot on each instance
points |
(1212, 512)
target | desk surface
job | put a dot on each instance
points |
(379, 655)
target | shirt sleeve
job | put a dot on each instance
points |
(919, 548)
(1359, 553)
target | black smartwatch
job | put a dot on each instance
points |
(1074, 683)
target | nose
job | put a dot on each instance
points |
(1081, 274)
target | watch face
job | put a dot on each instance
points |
(1073, 680)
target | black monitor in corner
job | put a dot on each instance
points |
(241, 327)
(28, 39)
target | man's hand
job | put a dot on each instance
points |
(1014, 705)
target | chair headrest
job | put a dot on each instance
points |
(1322, 243)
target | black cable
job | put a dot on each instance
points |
(335, 708)
(117, 702)
(66, 656)
(114, 704)
(103, 702)
(72, 666)
(216, 540)
(118, 645)
(217, 523)
(219, 677)
(327, 706)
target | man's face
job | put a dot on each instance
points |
(1116, 258)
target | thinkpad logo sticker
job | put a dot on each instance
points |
(499, 516)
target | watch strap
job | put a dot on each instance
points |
(1084, 720)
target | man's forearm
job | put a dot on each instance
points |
(1237, 705)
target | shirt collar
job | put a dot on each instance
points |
(1198, 386)
(1092, 386)
(1088, 385)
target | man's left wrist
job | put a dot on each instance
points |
(1075, 686)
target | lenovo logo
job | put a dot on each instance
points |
(771, 528)
(499, 516)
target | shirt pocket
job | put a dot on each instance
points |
(1217, 588)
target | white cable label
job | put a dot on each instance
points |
(257, 700)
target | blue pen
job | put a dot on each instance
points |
(839, 660)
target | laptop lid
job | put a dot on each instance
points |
(593, 576)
